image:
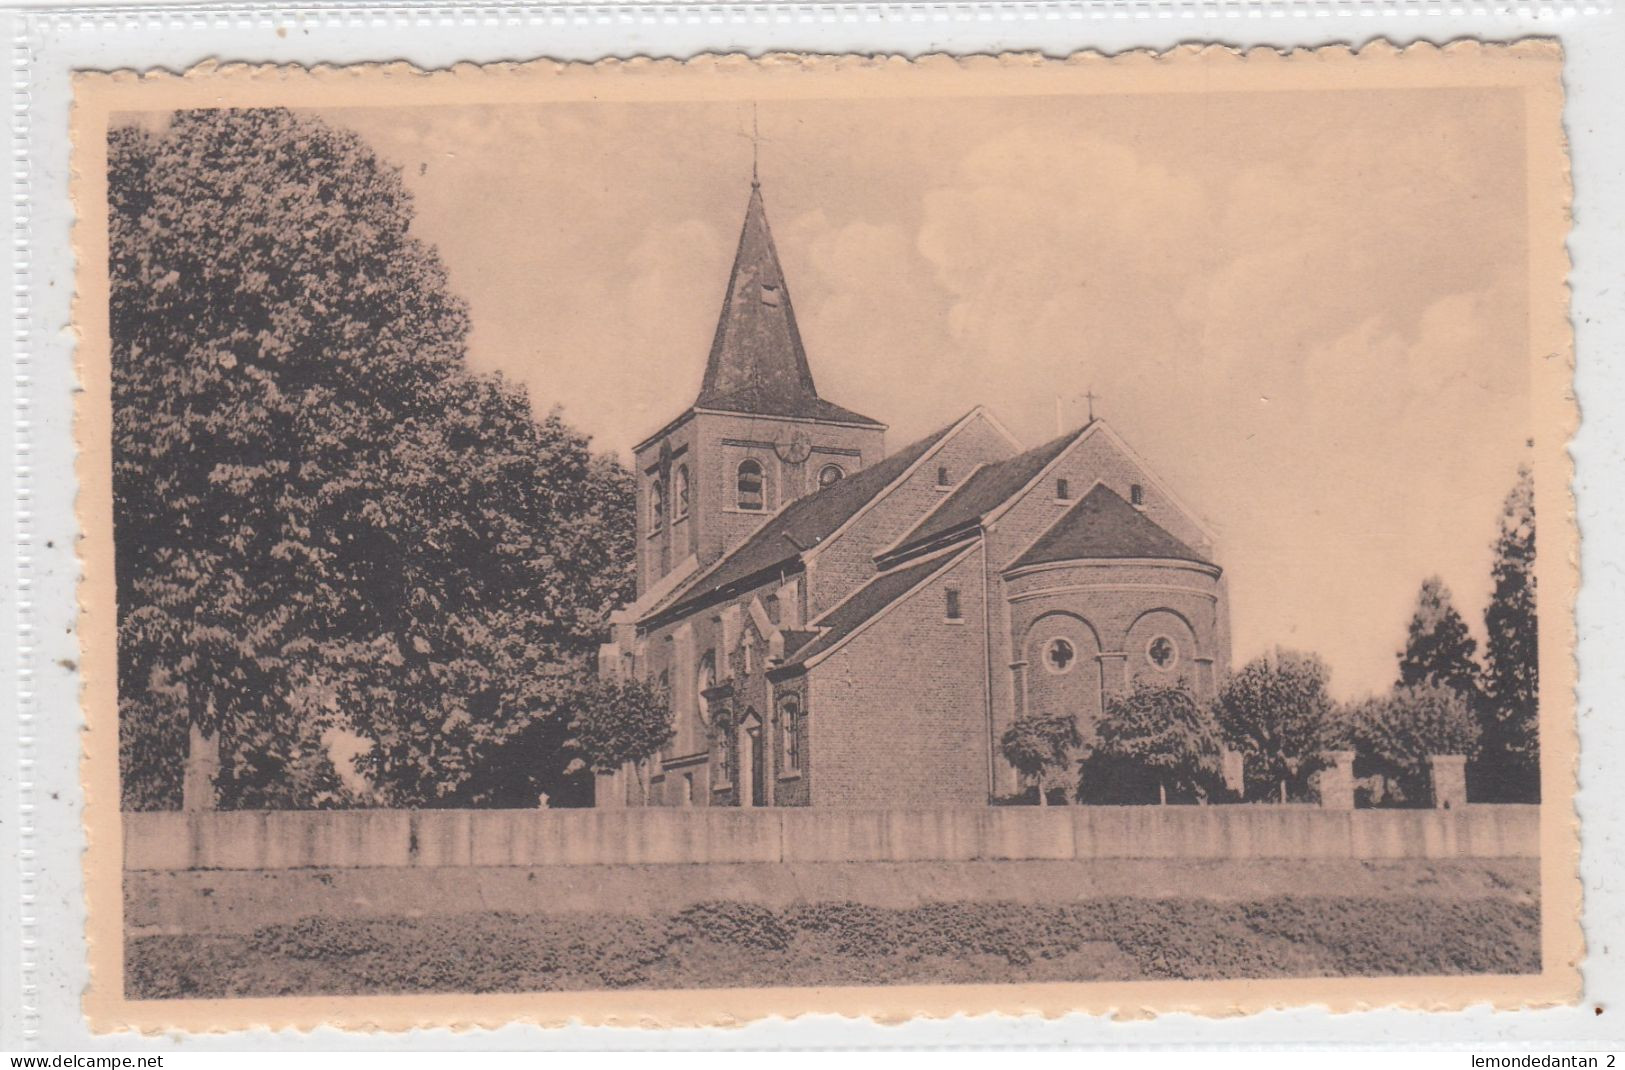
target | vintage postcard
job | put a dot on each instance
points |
(671, 543)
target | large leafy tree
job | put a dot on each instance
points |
(322, 518)
(1438, 649)
(1508, 769)
(1037, 745)
(1277, 712)
(624, 722)
(1395, 734)
(1159, 732)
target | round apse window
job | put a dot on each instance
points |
(1162, 653)
(1059, 656)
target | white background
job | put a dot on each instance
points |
(42, 964)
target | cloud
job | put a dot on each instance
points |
(1386, 459)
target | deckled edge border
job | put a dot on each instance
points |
(1123, 1008)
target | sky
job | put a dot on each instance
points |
(1307, 312)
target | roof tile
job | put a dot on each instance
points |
(866, 604)
(1103, 525)
(985, 490)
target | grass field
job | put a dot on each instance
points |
(733, 943)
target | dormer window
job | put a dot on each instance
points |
(830, 474)
(1136, 496)
(770, 294)
(1063, 491)
(942, 476)
(750, 484)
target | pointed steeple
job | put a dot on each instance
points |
(757, 363)
(757, 346)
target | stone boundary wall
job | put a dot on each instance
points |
(363, 839)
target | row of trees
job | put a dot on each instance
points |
(1156, 741)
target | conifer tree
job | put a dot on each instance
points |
(1509, 711)
(1438, 649)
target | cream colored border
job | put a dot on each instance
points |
(1534, 66)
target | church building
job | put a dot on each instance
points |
(842, 626)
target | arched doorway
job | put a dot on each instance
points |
(752, 758)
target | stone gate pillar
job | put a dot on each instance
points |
(1448, 774)
(1337, 781)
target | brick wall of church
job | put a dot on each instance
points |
(843, 565)
(897, 714)
(710, 447)
(724, 441)
(675, 652)
(665, 536)
(1114, 623)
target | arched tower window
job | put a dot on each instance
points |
(751, 486)
(657, 505)
(830, 474)
(680, 505)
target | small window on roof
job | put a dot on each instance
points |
(830, 474)
(1063, 491)
(942, 476)
(1136, 494)
(770, 294)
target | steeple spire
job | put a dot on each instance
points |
(757, 348)
(755, 149)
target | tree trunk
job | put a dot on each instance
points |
(1283, 790)
(643, 782)
(202, 765)
(1162, 794)
(1043, 799)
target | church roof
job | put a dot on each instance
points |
(757, 363)
(1103, 525)
(869, 602)
(983, 491)
(802, 525)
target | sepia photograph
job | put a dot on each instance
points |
(756, 536)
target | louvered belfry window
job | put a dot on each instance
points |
(751, 485)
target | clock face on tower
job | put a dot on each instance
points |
(795, 448)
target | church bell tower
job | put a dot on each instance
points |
(757, 437)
